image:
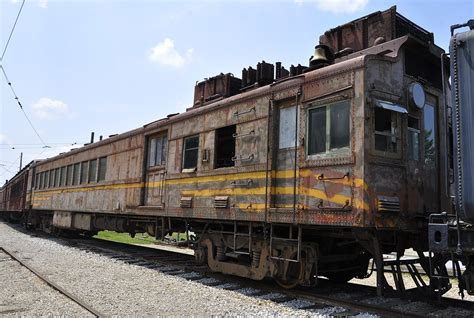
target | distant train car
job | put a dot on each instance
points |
(290, 174)
(15, 195)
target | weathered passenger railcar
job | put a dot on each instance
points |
(15, 195)
(308, 173)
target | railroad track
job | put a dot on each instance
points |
(350, 299)
(347, 299)
(52, 284)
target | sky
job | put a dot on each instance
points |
(103, 66)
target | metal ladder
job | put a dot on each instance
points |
(248, 234)
(290, 239)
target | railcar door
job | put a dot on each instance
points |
(284, 184)
(156, 170)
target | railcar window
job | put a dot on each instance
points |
(413, 138)
(102, 168)
(63, 177)
(84, 171)
(430, 134)
(46, 181)
(37, 181)
(58, 177)
(69, 175)
(93, 171)
(190, 152)
(287, 127)
(41, 184)
(385, 130)
(157, 151)
(52, 179)
(225, 147)
(76, 173)
(329, 128)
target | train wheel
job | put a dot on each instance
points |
(291, 273)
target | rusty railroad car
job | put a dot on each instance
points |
(290, 174)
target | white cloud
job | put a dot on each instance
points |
(164, 53)
(47, 108)
(43, 4)
(4, 139)
(337, 6)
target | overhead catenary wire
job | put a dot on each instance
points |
(20, 105)
(13, 29)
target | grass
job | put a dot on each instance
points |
(140, 238)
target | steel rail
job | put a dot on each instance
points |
(302, 292)
(55, 286)
(163, 257)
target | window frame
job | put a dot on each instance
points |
(69, 174)
(153, 140)
(334, 152)
(76, 179)
(99, 170)
(89, 176)
(84, 175)
(63, 179)
(297, 112)
(216, 141)
(183, 168)
(416, 131)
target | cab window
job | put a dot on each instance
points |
(329, 128)
(190, 152)
(157, 147)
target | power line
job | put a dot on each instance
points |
(8, 168)
(13, 29)
(21, 106)
(34, 144)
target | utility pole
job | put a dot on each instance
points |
(21, 159)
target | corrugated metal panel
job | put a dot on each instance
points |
(462, 72)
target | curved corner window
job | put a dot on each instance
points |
(329, 127)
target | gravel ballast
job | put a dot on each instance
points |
(24, 294)
(116, 288)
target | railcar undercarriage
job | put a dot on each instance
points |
(291, 255)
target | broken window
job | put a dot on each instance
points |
(84, 171)
(329, 128)
(385, 130)
(102, 168)
(225, 147)
(190, 152)
(287, 127)
(76, 174)
(157, 151)
(93, 170)
(413, 138)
